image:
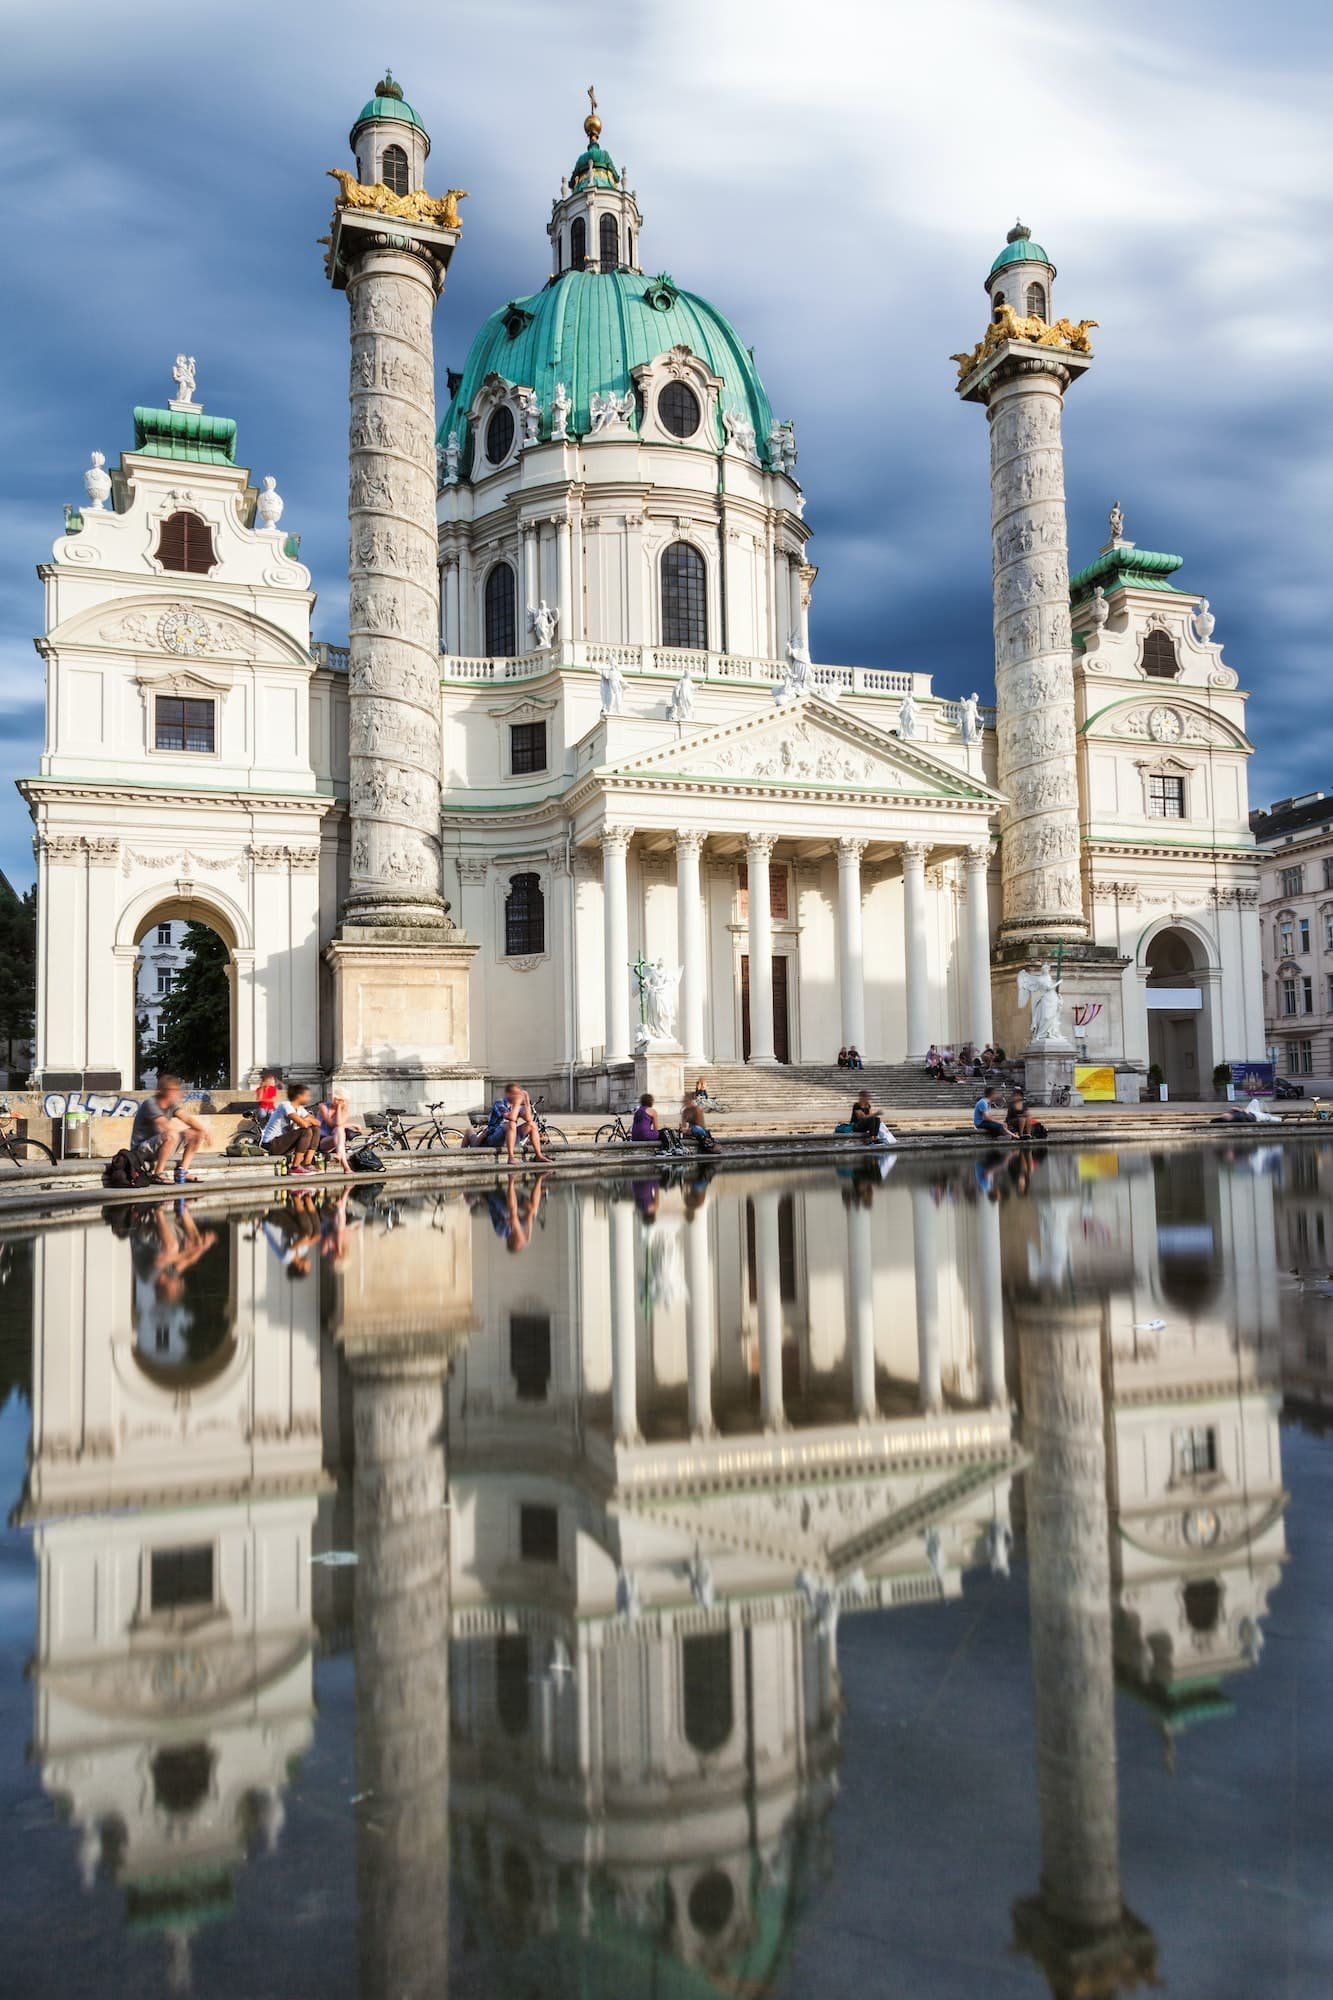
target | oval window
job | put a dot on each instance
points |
(678, 408)
(500, 436)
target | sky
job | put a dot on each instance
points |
(836, 179)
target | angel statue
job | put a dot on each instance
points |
(797, 676)
(657, 995)
(1039, 990)
(907, 718)
(543, 621)
(681, 706)
(613, 689)
(969, 718)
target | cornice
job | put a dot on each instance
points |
(1149, 850)
(57, 791)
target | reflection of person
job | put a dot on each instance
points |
(291, 1130)
(162, 1123)
(512, 1217)
(334, 1231)
(511, 1119)
(175, 1254)
(292, 1232)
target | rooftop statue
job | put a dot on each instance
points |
(418, 206)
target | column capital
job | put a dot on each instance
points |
(850, 850)
(689, 839)
(977, 853)
(914, 853)
(616, 836)
(757, 844)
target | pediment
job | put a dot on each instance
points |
(179, 627)
(806, 744)
(1166, 719)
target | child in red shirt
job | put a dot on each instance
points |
(266, 1096)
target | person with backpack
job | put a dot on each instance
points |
(160, 1125)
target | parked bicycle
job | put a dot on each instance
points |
(429, 1136)
(616, 1133)
(18, 1148)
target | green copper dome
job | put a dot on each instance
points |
(388, 102)
(590, 330)
(1020, 249)
(595, 164)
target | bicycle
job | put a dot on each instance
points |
(617, 1132)
(19, 1149)
(428, 1137)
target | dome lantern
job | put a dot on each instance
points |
(595, 219)
(1022, 276)
(389, 140)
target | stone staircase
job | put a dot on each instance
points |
(812, 1090)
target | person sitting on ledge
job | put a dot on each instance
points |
(866, 1121)
(161, 1124)
(291, 1130)
(842, 1058)
(509, 1121)
(701, 1090)
(932, 1061)
(854, 1059)
(1020, 1120)
(694, 1125)
(986, 1117)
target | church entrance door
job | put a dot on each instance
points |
(781, 1029)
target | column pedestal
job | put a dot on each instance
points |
(400, 1022)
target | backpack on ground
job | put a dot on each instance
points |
(125, 1170)
(365, 1160)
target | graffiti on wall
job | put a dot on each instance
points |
(97, 1103)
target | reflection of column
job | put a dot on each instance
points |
(861, 1311)
(1076, 1927)
(402, 1672)
(768, 1274)
(690, 944)
(700, 1279)
(758, 849)
(615, 906)
(990, 1305)
(624, 1328)
(978, 1026)
(925, 1251)
(916, 970)
(851, 971)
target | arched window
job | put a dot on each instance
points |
(709, 1703)
(684, 597)
(679, 411)
(996, 302)
(500, 435)
(1203, 1605)
(186, 543)
(608, 243)
(525, 917)
(501, 612)
(1159, 656)
(559, 251)
(1037, 300)
(578, 244)
(629, 246)
(393, 169)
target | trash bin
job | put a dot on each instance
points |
(78, 1142)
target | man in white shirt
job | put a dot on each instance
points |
(291, 1130)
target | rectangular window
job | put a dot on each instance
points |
(1166, 798)
(1328, 993)
(1300, 1058)
(164, 979)
(1286, 939)
(1195, 1452)
(164, 933)
(1289, 996)
(1307, 995)
(1305, 933)
(530, 1355)
(184, 725)
(1328, 874)
(527, 747)
(525, 917)
(1292, 880)
(180, 1578)
(539, 1534)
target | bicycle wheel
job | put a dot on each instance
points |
(439, 1139)
(554, 1140)
(605, 1135)
(25, 1149)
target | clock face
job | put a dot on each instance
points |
(1201, 1527)
(1165, 725)
(182, 630)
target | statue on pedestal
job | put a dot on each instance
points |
(969, 718)
(613, 689)
(1039, 989)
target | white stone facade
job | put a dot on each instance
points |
(1296, 927)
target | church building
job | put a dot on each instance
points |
(580, 785)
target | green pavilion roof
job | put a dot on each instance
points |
(1116, 569)
(201, 439)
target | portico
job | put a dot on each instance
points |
(820, 885)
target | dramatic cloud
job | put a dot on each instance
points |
(836, 179)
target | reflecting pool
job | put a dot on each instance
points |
(914, 1579)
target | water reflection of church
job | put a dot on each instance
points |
(611, 1493)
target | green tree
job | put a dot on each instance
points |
(194, 1025)
(18, 966)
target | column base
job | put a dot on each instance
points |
(400, 1019)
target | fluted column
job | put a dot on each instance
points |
(758, 851)
(925, 1266)
(699, 1278)
(861, 1311)
(916, 957)
(990, 1306)
(979, 1023)
(768, 1274)
(402, 1674)
(393, 604)
(615, 914)
(690, 943)
(1077, 1926)
(851, 957)
(624, 1326)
